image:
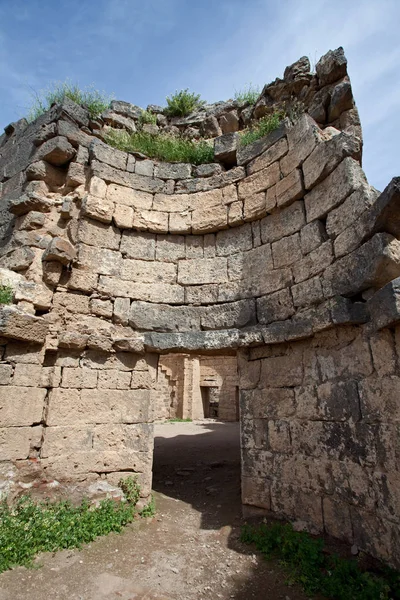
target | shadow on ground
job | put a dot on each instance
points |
(202, 468)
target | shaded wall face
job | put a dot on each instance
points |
(320, 435)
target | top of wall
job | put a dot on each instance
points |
(280, 240)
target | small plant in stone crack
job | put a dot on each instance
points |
(247, 95)
(262, 127)
(183, 103)
(146, 117)
(6, 294)
(95, 101)
(308, 563)
(28, 527)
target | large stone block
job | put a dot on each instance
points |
(286, 251)
(57, 151)
(384, 306)
(379, 399)
(275, 307)
(259, 181)
(142, 271)
(59, 250)
(148, 292)
(374, 264)
(161, 317)
(129, 197)
(21, 406)
(331, 67)
(199, 271)
(138, 245)
(270, 155)
(98, 234)
(283, 223)
(234, 240)
(106, 154)
(235, 314)
(73, 407)
(334, 189)
(99, 209)
(19, 325)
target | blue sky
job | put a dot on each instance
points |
(143, 51)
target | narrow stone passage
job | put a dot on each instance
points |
(190, 550)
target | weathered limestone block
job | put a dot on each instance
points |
(286, 251)
(99, 209)
(126, 109)
(173, 170)
(247, 153)
(289, 189)
(76, 175)
(269, 156)
(138, 245)
(18, 260)
(32, 220)
(341, 100)
(327, 155)
(350, 210)
(374, 264)
(115, 120)
(161, 317)
(235, 213)
(72, 339)
(129, 197)
(27, 375)
(302, 139)
(331, 192)
(59, 250)
(43, 171)
(121, 310)
(180, 222)
(28, 202)
(384, 306)
(67, 406)
(232, 241)
(308, 292)
(312, 236)
(82, 281)
(101, 308)
(123, 216)
(97, 187)
(104, 153)
(98, 234)
(283, 223)
(259, 181)
(79, 378)
(234, 314)
(57, 151)
(199, 271)
(141, 167)
(378, 397)
(174, 202)
(229, 122)
(21, 406)
(142, 271)
(151, 220)
(331, 67)
(73, 303)
(275, 307)
(22, 326)
(130, 344)
(124, 178)
(148, 292)
(314, 263)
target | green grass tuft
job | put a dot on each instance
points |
(147, 117)
(150, 509)
(261, 128)
(248, 94)
(29, 527)
(306, 563)
(95, 101)
(162, 146)
(6, 294)
(182, 103)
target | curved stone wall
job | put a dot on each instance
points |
(288, 257)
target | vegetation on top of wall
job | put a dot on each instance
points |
(95, 101)
(182, 103)
(249, 94)
(262, 127)
(164, 147)
(6, 294)
(147, 117)
(307, 563)
(29, 527)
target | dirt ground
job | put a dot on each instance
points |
(190, 550)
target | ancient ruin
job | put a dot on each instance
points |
(279, 255)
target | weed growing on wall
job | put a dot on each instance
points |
(306, 563)
(150, 509)
(6, 294)
(261, 128)
(182, 103)
(146, 117)
(163, 147)
(249, 94)
(95, 101)
(29, 527)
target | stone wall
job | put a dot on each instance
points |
(280, 251)
(183, 381)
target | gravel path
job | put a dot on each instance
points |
(190, 550)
